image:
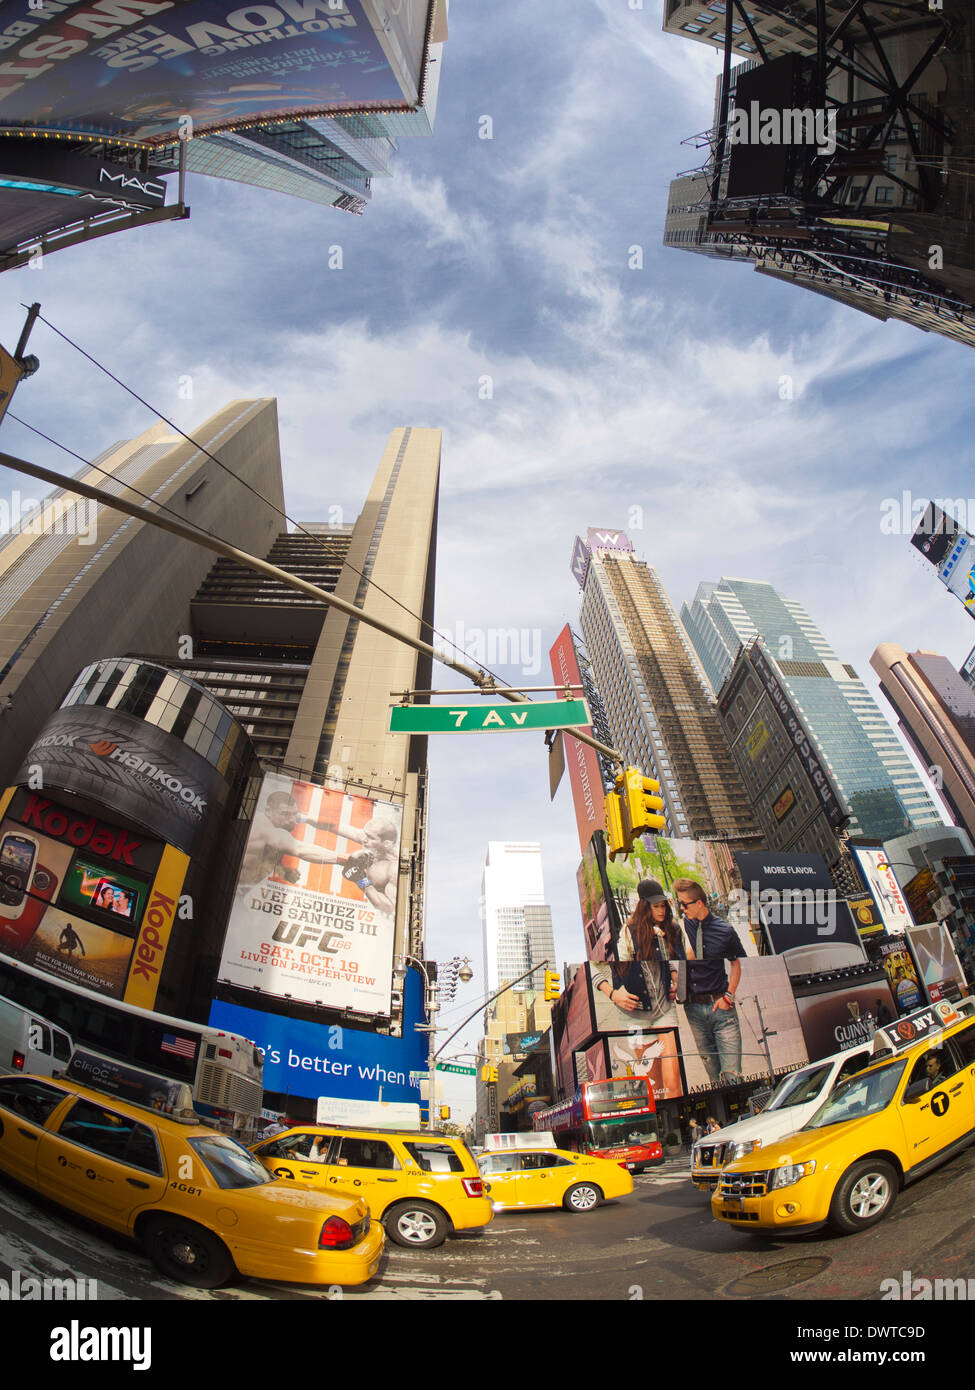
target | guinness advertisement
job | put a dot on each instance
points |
(147, 775)
(834, 1019)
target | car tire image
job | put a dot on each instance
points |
(417, 1225)
(582, 1196)
(183, 1251)
(864, 1195)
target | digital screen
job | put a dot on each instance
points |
(16, 853)
(92, 886)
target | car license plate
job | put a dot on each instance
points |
(734, 1203)
(631, 1165)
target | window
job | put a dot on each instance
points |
(489, 1164)
(530, 1163)
(292, 1146)
(367, 1153)
(229, 1163)
(31, 1099)
(435, 1158)
(115, 1136)
(884, 194)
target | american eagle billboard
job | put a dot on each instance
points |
(314, 913)
(157, 70)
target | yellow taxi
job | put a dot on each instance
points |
(198, 1202)
(534, 1176)
(910, 1110)
(420, 1185)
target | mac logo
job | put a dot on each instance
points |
(149, 187)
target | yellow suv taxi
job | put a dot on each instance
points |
(200, 1204)
(909, 1111)
(550, 1177)
(421, 1185)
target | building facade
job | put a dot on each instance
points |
(515, 919)
(875, 778)
(659, 708)
(935, 711)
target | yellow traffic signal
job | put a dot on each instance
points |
(553, 985)
(642, 803)
(445, 1112)
(489, 1075)
(616, 838)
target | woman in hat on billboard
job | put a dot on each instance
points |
(646, 978)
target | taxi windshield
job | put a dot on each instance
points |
(798, 1089)
(607, 1135)
(864, 1094)
(229, 1163)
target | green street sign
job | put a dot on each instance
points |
(458, 1071)
(481, 719)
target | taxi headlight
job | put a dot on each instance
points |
(745, 1147)
(791, 1173)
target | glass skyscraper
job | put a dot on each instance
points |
(855, 741)
(516, 920)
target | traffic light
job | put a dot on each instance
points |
(489, 1075)
(615, 834)
(642, 802)
(553, 985)
(445, 1112)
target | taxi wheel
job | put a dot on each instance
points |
(583, 1196)
(187, 1253)
(863, 1196)
(418, 1225)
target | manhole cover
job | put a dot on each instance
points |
(773, 1278)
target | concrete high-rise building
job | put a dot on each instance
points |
(79, 581)
(660, 709)
(856, 744)
(515, 919)
(935, 710)
(852, 214)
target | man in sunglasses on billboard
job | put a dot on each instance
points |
(710, 1004)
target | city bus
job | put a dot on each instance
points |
(224, 1071)
(614, 1119)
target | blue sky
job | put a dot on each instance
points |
(619, 396)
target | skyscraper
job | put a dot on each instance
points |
(936, 712)
(661, 712)
(857, 745)
(515, 919)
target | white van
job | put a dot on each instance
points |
(794, 1101)
(31, 1044)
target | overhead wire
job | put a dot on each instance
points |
(330, 553)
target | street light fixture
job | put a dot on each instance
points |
(442, 978)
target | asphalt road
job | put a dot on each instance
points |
(658, 1244)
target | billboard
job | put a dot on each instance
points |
(884, 888)
(314, 911)
(585, 777)
(85, 900)
(935, 534)
(145, 774)
(307, 1059)
(958, 572)
(154, 71)
(598, 918)
(837, 1017)
(937, 964)
(866, 918)
(709, 862)
(644, 1029)
(794, 898)
(898, 964)
(920, 893)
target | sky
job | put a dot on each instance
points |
(731, 424)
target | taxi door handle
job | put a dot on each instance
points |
(136, 1182)
(385, 1179)
(309, 1172)
(27, 1133)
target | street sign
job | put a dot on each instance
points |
(481, 719)
(457, 1071)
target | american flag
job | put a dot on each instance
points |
(183, 1047)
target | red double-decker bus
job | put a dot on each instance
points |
(614, 1119)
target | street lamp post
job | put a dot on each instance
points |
(457, 968)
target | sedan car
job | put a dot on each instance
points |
(551, 1178)
(198, 1202)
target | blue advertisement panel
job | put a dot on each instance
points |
(156, 70)
(316, 1059)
